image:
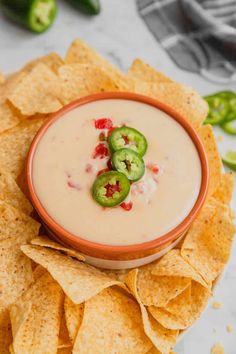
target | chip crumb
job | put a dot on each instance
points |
(216, 305)
(229, 328)
(217, 349)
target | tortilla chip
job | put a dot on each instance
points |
(46, 242)
(180, 98)
(2, 78)
(14, 223)
(64, 351)
(111, 323)
(52, 60)
(73, 315)
(79, 80)
(158, 291)
(5, 331)
(208, 243)
(9, 85)
(117, 274)
(173, 265)
(35, 318)
(11, 193)
(214, 159)
(163, 339)
(144, 72)
(15, 271)
(79, 281)
(81, 53)
(14, 145)
(38, 92)
(64, 340)
(38, 272)
(185, 309)
(9, 117)
(224, 192)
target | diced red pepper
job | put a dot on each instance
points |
(100, 151)
(102, 171)
(111, 189)
(103, 123)
(153, 168)
(127, 206)
(126, 139)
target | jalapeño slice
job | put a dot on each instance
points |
(130, 163)
(110, 188)
(231, 97)
(229, 159)
(218, 109)
(126, 137)
(229, 127)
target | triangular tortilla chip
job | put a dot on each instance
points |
(111, 323)
(162, 338)
(38, 92)
(208, 243)
(144, 72)
(158, 291)
(5, 331)
(46, 242)
(35, 318)
(79, 281)
(180, 98)
(224, 192)
(11, 193)
(15, 143)
(173, 265)
(214, 159)
(80, 53)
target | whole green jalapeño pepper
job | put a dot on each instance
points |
(90, 7)
(36, 15)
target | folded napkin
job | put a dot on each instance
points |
(199, 35)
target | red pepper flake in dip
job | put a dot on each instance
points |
(127, 206)
(153, 168)
(103, 123)
(74, 185)
(88, 168)
(100, 151)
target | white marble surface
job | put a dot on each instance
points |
(119, 34)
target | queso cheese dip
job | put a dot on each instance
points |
(66, 163)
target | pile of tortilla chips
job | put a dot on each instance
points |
(51, 301)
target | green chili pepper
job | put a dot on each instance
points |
(126, 137)
(229, 159)
(130, 163)
(231, 97)
(90, 7)
(229, 127)
(218, 109)
(36, 15)
(110, 188)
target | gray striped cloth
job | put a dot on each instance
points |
(199, 35)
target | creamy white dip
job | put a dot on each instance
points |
(64, 170)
